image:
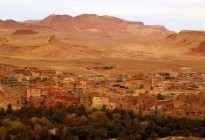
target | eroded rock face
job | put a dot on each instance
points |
(200, 49)
(89, 23)
(99, 24)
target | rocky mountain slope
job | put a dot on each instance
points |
(99, 24)
(90, 23)
(92, 36)
(185, 43)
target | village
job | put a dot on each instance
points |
(180, 93)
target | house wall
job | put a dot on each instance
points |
(33, 93)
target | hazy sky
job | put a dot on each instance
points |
(174, 14)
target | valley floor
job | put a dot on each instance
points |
(130, 66)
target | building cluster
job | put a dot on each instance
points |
(180, 93)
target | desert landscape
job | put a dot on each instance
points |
(102, 77)
(65, 40)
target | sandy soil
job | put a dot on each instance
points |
(128, 66)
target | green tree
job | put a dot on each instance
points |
(98, 116)
(9, 109)
(71, 119)
(15, 130)
(83, 120)
(2, 112)
(81, 110)
(41, 132)
(153, 136)
(116, 116)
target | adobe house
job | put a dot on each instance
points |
(55, 90)
(23, 83)
(136, 108)
(123, 77)
(35, 74)
(7, 68)
(68, 100)
(156, 111)
(148, 101)
(111, 106)
(176, 103)
(85, 100)
(185, 70)
(137, 86)
(148, 83)
(157, 90)
(36, 92)
(165, 104)
(33, 93)
(58, 72)
(75, 91)
(125, 105)
(20, 71)
(98, 102)
(164, 74)
(9, 81)
(139, 91)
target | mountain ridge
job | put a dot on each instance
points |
(90, 35)
(90, 23)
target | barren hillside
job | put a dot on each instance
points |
(91, 36)
(184, 44)
(99, 24)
